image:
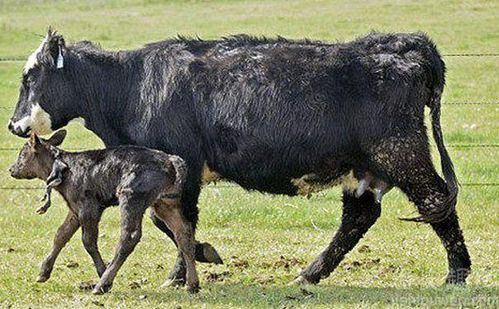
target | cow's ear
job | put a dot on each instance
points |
(57, 138)
(54, 50)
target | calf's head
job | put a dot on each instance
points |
(37, 156)
(46, 91)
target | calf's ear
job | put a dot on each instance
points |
(34, 140)
(57, 138)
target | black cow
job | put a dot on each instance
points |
(272, 115)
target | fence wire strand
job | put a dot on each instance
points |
(22, 59)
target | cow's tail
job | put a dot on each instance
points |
(442, 211)
(180, 177)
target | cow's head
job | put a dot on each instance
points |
(46, 93)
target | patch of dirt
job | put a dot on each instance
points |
(72, 264)
(87, 285)
(364, 249)
(304, 294)
(216, 277)
(364, 263)
(137, 284)
(263, 279)
(238, 263)
(284, 262)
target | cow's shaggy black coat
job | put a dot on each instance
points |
(266, 112)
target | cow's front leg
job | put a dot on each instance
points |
(63, 235)
(359, 214)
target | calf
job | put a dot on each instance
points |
(133, 177)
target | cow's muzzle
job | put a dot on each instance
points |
(19, 130)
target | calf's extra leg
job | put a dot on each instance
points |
(359, 214)
(62, 236)
(132, 211)
(204, 252)
(184, 237)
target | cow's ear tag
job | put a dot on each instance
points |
(60, 60)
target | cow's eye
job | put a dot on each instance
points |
(30, 79)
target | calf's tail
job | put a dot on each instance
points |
(180, 176)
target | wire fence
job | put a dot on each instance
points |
(21, 59)
(490, 147)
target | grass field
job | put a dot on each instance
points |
(265, 240)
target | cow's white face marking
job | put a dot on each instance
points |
(22, 125)
(32, 59)
(38, 121)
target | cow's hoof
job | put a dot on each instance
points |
(172, 283)
(193, 289)
(42, 278)
(210, 254)
(300, 280)
(457, 277)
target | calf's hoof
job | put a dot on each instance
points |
(172, 283)
(300, 280)
(457, 276)
(193, 289)
(206, 253)
(99, 290)
(42, 278)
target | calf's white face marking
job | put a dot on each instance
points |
(33, 59)
(38, 121)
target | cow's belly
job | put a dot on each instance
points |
(288, 172)
(304, 185)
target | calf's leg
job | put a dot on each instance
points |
(171, 214)
(62, 236)
(89, 219)
(132, 211)
(359, 214)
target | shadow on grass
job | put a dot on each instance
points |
(264, 296)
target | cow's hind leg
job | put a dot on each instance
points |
(457, 254)
(409, 166)
(359, 214)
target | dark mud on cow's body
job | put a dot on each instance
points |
(266, 112)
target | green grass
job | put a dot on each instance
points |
(265, 240)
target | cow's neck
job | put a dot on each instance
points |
(105, 94)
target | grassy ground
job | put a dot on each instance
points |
(265, 239)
